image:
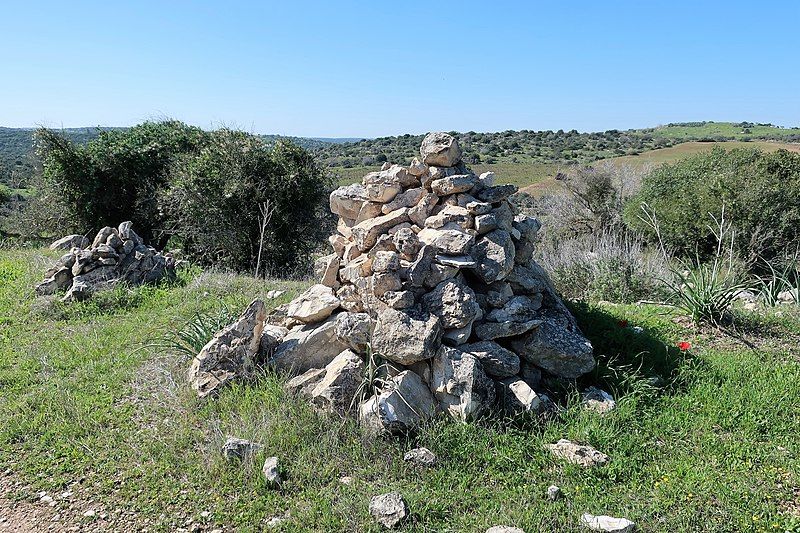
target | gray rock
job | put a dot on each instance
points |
(406, 336)
(494, 253)
(456, 261)
(271, 471)
(579, 454)
(102, 235)
(354, 330)
(598, 400)
(314, 305)
(504, 529)
(453, 184)
(389, 510)
(556, 349)
(447, 241)
(366, 233)
(440, 149)
(309, 346)
(236, 449)
(337, 388)
(553, 493)
(517, 309)
(346, 201)
(271, 337)
(453, 302)
(404, 403)
(230, 353)
(420, 456)
(497, 193)
(609, 524)
(497, 361)
(460, 385)
(499, 330)
(327, 270)
(516, 397)
(69, 242)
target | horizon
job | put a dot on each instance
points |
(364, 71)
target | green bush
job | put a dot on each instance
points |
(203, 190)
(5, 194)
(117, 176)
(760, 192)
(216, 200)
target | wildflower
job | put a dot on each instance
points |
(684, 345)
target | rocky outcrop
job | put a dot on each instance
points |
(116, 255)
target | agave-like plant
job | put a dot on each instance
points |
(194, 334)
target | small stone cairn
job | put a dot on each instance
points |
(431, 272)
(115, 255)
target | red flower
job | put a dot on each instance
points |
(622, 323)
(683, 346)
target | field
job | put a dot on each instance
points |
(94, 405)
(728, 130)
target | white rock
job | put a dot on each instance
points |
(271, 471)
(579, 454)
(389, 509)
(314, 305)
(609, 524)
(598, 400)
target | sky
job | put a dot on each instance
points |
(368, 69)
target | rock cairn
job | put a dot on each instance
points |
(431, 272)
(115, 255)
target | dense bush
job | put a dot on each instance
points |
(5, 194)
(217, 200)
(117, 176)
(760, 192)
(203, 190)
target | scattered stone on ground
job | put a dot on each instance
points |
(608, 524)
(271, 471)
(579, 454)
(420, 456)
(389, 509)
(598, 400)
(239, 449)
(553, 492)
(117, 255)
(431, 271)
(504, 529)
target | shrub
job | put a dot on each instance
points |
(604, 266)
(217, 200)
(5, 194)
(117, 176)
(761, 193)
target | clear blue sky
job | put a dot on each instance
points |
(351, 69)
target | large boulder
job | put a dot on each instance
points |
(560, 351)
(440, 149)
(230, 354)
(406, 336)
(69, 242)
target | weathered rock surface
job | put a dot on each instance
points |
(314, 305)
(230, 354)
(609, 524)
(598, 400)
(271, 471)
(402, 405)
(69, 242)
(389, 510)
(460, 385)
(239, 449)
(440, 149)
(307, 347)
(406, 336)
(420, 456)
(338, 386)
(579, 454)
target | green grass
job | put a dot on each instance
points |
(86, 396)
(722, 129)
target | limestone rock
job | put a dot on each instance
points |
(420, 456)
(406, 336)
(553, 493)
(404, 403)
(453, 184)
(447, 241)
(366, 233)
(354, 330)
(308, 346)
(327, 269)
(517, 309)
(453, 302)
(69, 242)
(497, 193)
(314, 305)
(598, 400)
(389, 510)
(504, 529)
(494, 253)
(230, 354)
(609, 524)
(497, 361)
(499, 330)
(460, 385)
(271, 337)
(557, 350)
(517, 397)
(239, 449)
(343, 375)
(271, 471)
(579, 454)
(440, 149)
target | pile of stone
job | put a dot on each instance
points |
(115, 255)
(431, 276)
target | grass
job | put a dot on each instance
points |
(85, 396)
(722, 129)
